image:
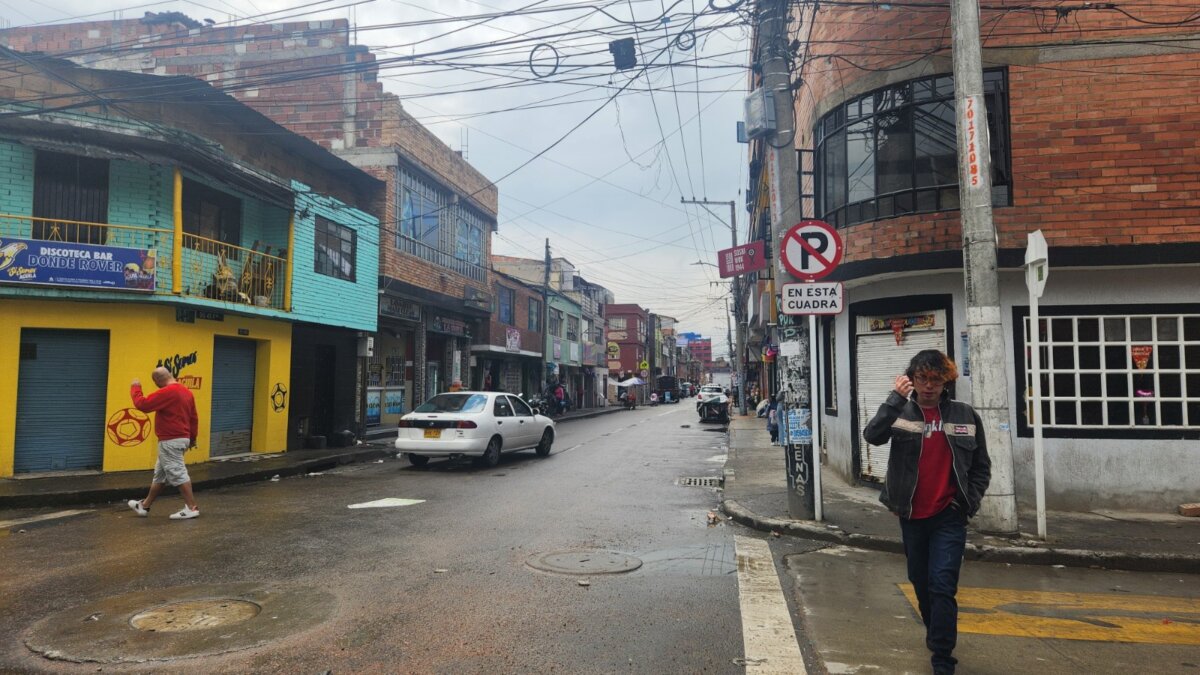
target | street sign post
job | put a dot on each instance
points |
(1037, 268)
(811, 249)
(742, 259)
(812, 298)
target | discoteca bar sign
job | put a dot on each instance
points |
(57, 263)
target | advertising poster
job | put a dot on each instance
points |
(57, 263)
(393, 402)
(373, 407)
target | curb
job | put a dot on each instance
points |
(113, 494)
(1015, 555)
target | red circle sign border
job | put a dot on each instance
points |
(837, 249)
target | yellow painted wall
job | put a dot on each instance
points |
(139, 336)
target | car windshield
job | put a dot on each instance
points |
(711, 390)
(453, 403)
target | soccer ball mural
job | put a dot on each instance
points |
(127, 427)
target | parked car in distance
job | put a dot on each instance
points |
(709, 392)
(478, 424)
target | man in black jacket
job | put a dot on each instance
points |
(938, 471)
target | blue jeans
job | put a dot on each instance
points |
(934, 548)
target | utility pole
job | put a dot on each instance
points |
(782, 165)
(734, 289)
(989, 384)
(547, 341)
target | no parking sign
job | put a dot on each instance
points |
(811, 249)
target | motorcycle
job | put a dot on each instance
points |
(630, 402)
(537, 404)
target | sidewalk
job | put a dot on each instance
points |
(755, 495)
(98, 488)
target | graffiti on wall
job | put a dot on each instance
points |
(279, 397)
(128, 427)
(175, 364)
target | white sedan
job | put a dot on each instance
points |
(479, 424)
(710, 392)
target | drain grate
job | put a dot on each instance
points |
(703, 481)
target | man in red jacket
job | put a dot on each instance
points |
(175, 424)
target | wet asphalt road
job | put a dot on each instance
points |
(441, 586)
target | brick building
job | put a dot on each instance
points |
(579, 358)
(439, 212)
(628, 332)
(509, 350)
(171, 233)
(1093, 143)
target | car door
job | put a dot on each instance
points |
(506, 423)
(526, 422)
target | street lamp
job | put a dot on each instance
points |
(701, 262)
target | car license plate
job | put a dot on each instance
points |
(433, 433)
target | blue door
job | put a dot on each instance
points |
(233, 396)
(62, 385)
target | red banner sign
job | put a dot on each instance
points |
(742, 259)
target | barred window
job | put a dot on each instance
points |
(556, 322)
(507, 300)
(421, 208)
(336, 248)
(1136, 371)
(573, 328)
(892, 152)
(535, 316)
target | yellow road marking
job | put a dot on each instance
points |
(1101, 617)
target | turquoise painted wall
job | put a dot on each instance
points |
(16, 181)
(324, 299)
(569, 308)
(141, 195)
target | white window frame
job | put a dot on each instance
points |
(1145, 413)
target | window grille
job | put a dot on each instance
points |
(1117, 371)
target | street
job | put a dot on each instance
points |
(597, 559)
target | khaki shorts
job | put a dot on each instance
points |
(170, 468)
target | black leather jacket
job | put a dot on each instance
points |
(900, 420)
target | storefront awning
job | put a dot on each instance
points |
(496, 349)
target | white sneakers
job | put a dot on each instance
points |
(185, 513)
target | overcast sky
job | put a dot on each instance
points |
(607, 196)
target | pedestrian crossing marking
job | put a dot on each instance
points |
(1100, 617)
(768, 636)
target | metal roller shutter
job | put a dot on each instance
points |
(233, 395)
(61, 391)
(879, 361)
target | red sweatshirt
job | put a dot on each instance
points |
(935, 472)
(176, 411)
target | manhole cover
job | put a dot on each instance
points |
(164, 624)
(584, 562)
(703, 481)
(194, 615)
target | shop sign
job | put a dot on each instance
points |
(441, 324)
(477, 299)
(399, 308)
(190, 381)
(614, 365)
(742, 259)
(35, 262)
(557, 349)
(393, 401)
(574, 351)
(618, 335)
(512, 339)
(614, 350)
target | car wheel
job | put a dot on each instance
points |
(543, 448)
(418, 460)
(491, 456)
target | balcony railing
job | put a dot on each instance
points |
(211, 269)
(441, 258)
(220, 271)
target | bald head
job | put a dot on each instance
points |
(162, 377)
